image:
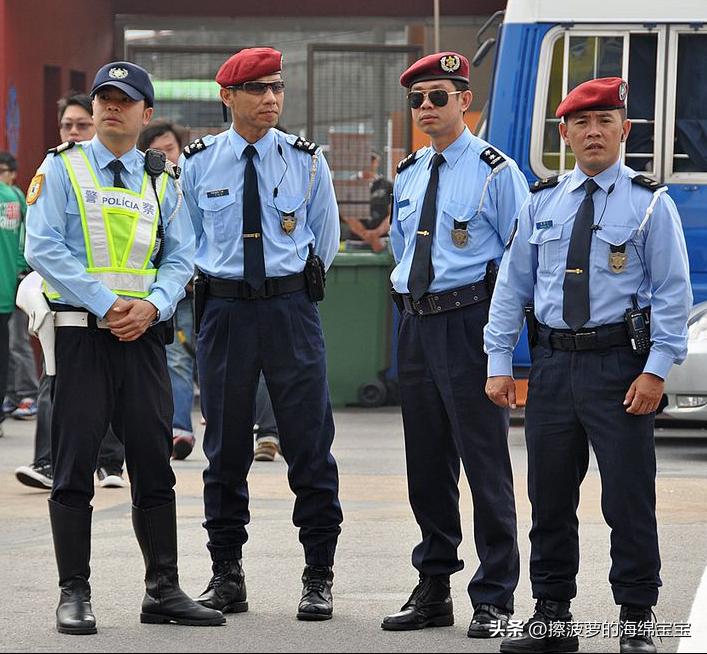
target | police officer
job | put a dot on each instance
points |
(601, 254)
(115, 252)
(263, 208)
(453, 210)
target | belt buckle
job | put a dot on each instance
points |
(416, 306)
(585, 340)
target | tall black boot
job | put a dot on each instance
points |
(164, 602)
(71, 529)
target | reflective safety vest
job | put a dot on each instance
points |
(119, 228)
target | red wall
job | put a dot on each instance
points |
(73, 35)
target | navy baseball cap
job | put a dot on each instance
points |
(129, 78)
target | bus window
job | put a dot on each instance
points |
(690, 134)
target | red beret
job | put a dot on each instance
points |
(602, 93)
(442, 65)
(249, 64)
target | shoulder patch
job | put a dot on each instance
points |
(407, 162)
(646, 182)
(493, 158)
(197, 145)
(309, 147)
(542, 184)
(67, 145)
(35, 188)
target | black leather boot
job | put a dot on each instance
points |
(489, 621)
(71, 529)
(430, 605)
(226, 591)
(317, 602)
(633, 632)
(534, 637)
(164, 602)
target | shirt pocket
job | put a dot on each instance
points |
(287, 212)
(549, 244)
(405, 218)
(458, 213)
(610, 239)
(219, 214)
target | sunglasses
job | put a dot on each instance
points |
(438, 97)
(260, 88)
(81, 127)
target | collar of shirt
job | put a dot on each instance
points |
(604, 179)
(104, 156)
(454, 150)
(239, 144)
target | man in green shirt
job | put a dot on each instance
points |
(12, 209)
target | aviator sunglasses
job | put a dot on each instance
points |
(438, 97)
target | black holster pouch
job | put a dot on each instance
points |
(532, 322)
(491, 275)
(201, 285)
(397, 300)
(314, 276)
(168, 333)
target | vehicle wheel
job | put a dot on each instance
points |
(372, 394)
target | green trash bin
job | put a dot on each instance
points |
(356, 316)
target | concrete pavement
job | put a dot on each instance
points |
(373, 572)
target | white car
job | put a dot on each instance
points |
(686, 385)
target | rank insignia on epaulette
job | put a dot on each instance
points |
(197, 145)
(492, 157)
(67, 145)
(646, 182)
(305, 145)
(408, 161)
(547, 182)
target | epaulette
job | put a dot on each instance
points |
(197, 145)
(493, 158)
(67, 145)
(542, 184)
(407, 162)
(646, 182)
(306, 146)
(172, 170)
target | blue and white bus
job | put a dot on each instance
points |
(547, 47)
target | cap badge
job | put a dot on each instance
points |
(623, 88)
(450, 63)
(118, 73)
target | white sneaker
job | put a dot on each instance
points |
(111, 478)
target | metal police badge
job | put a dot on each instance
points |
(288, 222)
(450, 63)
(460, 235)
(623, 89)
(118, 73)
(618, 258)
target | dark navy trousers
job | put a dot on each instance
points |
(101, 381)
(281, 336)
(576, 398)
(447, 419)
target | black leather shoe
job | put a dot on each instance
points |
(534, 637)
(489, 621)
(226, 591)
(430, 605)
(71, 530)
(633, 637)
(165, 602)
(317, 602)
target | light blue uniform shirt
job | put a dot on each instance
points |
(656, 268)
(55, 243)
(462, 195)
(213, 188)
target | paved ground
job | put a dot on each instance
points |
(373, 572)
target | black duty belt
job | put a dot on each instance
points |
(448, 300)
(238, 288)
(593, 338)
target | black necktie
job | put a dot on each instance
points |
(253, 258)
(575, 301)
(116, 167)
(421, 271)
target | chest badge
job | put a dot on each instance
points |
(460, 234)
(618, 258)
(288, 222)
